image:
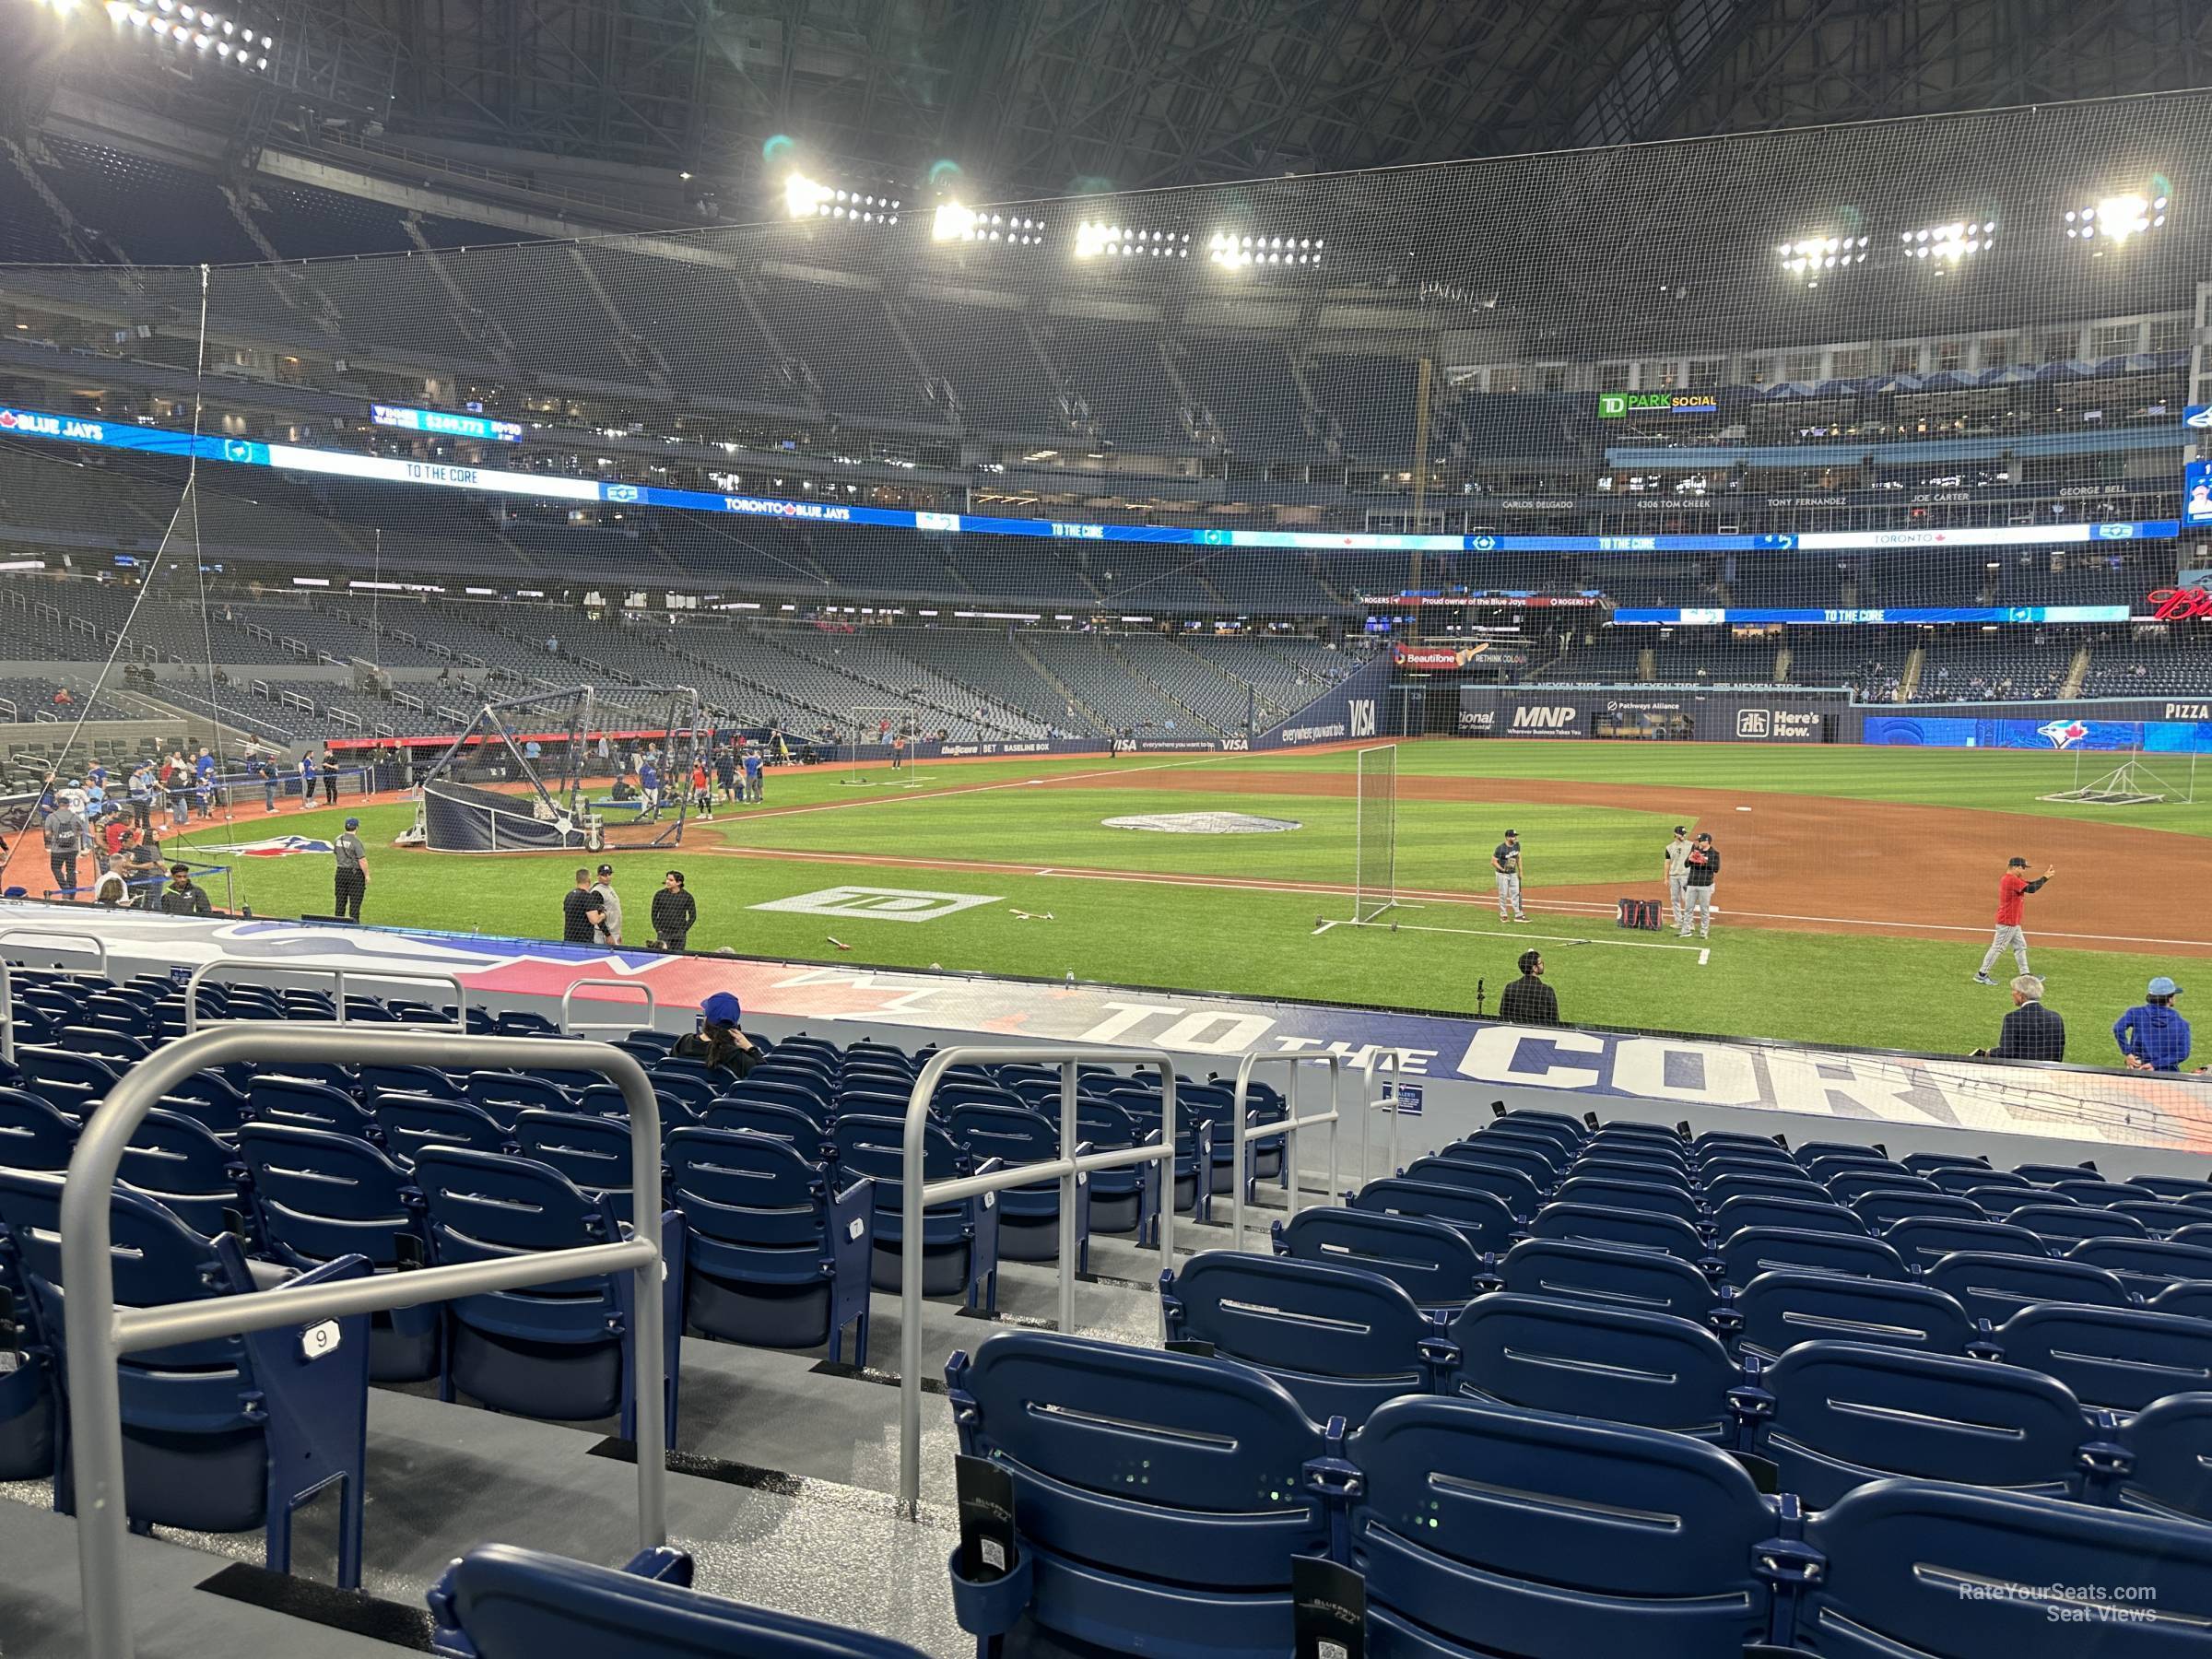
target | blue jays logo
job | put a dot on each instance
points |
(622, 492)
(1482, 544)
(2116, 531)
(2199, 416)
(237, 449)
(2063, 734)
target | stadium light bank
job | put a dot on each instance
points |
(187, 28)
(805, 198)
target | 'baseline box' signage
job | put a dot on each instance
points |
(439, 424)
(245, 452)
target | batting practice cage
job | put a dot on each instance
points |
(527, 775)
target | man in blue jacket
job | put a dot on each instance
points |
(2152, 1035)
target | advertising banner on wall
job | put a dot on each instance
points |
(1657, 716)
(1346, 713)
(2059, 733)
(1455, 659)
(2196, 493)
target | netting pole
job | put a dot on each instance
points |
(1374, 832)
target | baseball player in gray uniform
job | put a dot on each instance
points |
(1506, 859)
(1676, 857)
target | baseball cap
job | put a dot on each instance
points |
(353, 823)
(2016, 863)
(722, 1008)
(1512, 832)
(607, 869)
(1705, 835)
(2162, 986)
(1681, 828)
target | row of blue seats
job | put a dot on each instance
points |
(1838, 1398)
(1162, 1503)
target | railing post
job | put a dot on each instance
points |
(12, 934)
(406, 976)
(1241, 1134)
(570, 1026)
(97, 1336)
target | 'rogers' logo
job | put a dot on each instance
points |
(2179, 605)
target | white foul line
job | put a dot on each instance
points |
(1486, 933)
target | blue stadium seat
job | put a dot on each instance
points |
(2144, 1266)
(1648, 1369)
(283, 1099)
(1803, 1216)
(1534, 1162)
(499, 1602)
(2044, 1174)
(407, 1080)
(34, 1134)
(2120, 1359)
(1455, 1167)
(1783, 1308)
(2089, 1190)
(960, 1240)
(116, 1048)
(1432, 1262)
(1122, 1201)
(1845, 1413)
(2172, 1187)
(1482, 1218)
(199, 1178)
(768, 1092)
(1963, 1179)
(1927, 1163)
(1608, 1276)
(2160, 1218)
(1732, 1183)
(562, 1351)
(591, 1152)
(1625, 1167)
(211, 1099)
(1642, 1198)
(784, 1123)
(1159, 1497)
(1814, 1151)
(71, 1083)
(1994, 1286)
(1885, 1207)
(229, 1435)
(1751, 1251)
(1849, 1185)
(1593, 1224)
(410, 1123)
(1029, 1217)
(2063, 1226)
(321, 1196)
(2191, 1299)
(507, 1094)
(779, 1257)
(2170, 1443)
(1342, 1341)
(1483, 1530)
(1923, 1241)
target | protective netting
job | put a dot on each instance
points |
(1375, 833)
(1892, 412)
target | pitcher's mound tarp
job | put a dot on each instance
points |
(461, 818)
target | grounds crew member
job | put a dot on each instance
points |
(351, 882)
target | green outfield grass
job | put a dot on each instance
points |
(1194, 913)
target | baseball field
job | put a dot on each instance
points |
(1856, 899)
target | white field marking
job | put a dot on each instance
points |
(1487, 933)
(1704, 956)
(940, 794)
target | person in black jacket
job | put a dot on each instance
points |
(1528, 1000)
(1698, 883)
(2031, 1031)
(719, 1042)
(674, 912)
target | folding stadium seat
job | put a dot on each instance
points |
(779, 1257)
(499, 1602)
(1122, 1201)
(2159, 1218)
(1193, 1150)
(2120, 1359)
(562, 1351)
(376, 1080)
(2192, 1299)
(1634, 1229)
(1613, 1364)
(2199, 1235)
(1607, 1276)
(1725, 1143)
(2144, 1266)
(1733, 1183)
(2088, 1190)
(1751, 1251)
(1484, 1530)
(1964, 1179)
(694, 1091)
(1995, 1286)
(607, 1101)
(1928, 1163)
(2062, 1226)
(72, 1083)
(200, 1179)
(506, 1094)
(288, 1100)
(1432, 1262)
(1639, 1171)
(2044, 1174)
(34, 1134)
(754, 1090)
(1640, 1196)
(593, 1153)
(960, 1240)
(1569, 1129)
(1342, 1341)
(1924, 1240)
(1848, 1185)
(1192, 1559)
(783, 1123)
(1812, 1151)
(321, 1196)
(1885, 1207)
(409, 1123)
(1842, 1414)
(516, 1022)
(1800, 1215)
(228, 1435)
(210, 1099)
(1930, 1568)
(1029, 1217)
(1481, 1219)
(1783, 1308)
(1457, 1166)
(2172, 1188)
(1541, 1156)
(2169, 1443)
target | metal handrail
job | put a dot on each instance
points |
(98, 1335)
(1369, 1068)
(570, 1027)
(26, 931)
(1067, 1169)
(410, 976)
(1241, 1130)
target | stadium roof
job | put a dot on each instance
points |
(1036, 98)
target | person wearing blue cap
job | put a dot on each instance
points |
(352, 879)
(718, 1043)
(2152, 1035)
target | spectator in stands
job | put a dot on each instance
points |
(2031, 1031)
(330, 776)
(718, 1043)
(609, 931)
(61, 699)
(110, 891)
(351, 883)
(1528, 1000)
(66, 833)
(674, 912)
(2152, 1035)
(72, 796)
(183, 896)
(579, 911)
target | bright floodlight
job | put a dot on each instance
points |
(2118, 217)
(1237, 251)
(953, 222)
(1950, 244)
(1808, 256)
(803, 198)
